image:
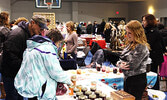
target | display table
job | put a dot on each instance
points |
(101, 43)
(110, 78)
(88, 37)
(104, 80)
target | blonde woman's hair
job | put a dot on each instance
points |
(71, 24)
(138, 32)
(20, 19)
(107, 26)
(4, 19)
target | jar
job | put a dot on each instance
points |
(78, 94)
(79, 87)
(87, 93)
(76, 90)
(103, 96)
(98, 68)
(108, 98)
(73, 79)
(84, 89)
(71, 91)
(97, 92)
(93, 89)
(82, 97)
(92, 97)
(114, 70)
(93, 83)
(98, 99)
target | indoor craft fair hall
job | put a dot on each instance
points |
(83, 50)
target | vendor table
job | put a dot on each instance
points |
(102, 43)
(105, 81)
(88, 37)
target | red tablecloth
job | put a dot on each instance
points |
(102, 43)
(88, 39)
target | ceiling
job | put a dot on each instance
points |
(88, 0)
(94, 1)
(103, 0)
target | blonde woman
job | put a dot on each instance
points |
(134, 59)
(18, 21)
(71, 39)
(107, 32)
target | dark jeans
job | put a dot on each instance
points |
(11, 92)
(135, 85)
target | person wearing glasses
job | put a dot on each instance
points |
(13, 50)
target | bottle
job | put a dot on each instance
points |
(64, 51)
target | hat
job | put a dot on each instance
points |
(40, 20)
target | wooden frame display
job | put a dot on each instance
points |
(50, 16)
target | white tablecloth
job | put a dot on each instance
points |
(89, 75)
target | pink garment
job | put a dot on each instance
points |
(163, 67)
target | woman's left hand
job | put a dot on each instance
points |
(124, 66)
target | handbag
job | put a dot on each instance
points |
(61, 89)
(163, 67)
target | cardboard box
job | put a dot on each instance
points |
(121, 95)
(163, 85)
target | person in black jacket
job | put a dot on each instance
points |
(155, 40)
(4, 32)
(13, 50)
(163, 32)
(94, 27)
(89, 28)
(107, 32)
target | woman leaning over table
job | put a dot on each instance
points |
(134, 59)
(71, 39)
(40, 69)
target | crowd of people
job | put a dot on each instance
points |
(30, 64)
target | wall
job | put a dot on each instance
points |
(137, 10)
(160, 7)
(5, 6)
(26, 9)
(98, 11)
(86, 11)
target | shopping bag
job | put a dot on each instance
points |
(88, 58)
(163, 67)
(156, 94)
(61, 89)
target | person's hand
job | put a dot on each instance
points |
(165, 53)
(88, 66)
(124, 66)
(65, 40)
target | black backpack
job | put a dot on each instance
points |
(4, 32)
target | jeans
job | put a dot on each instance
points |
(11, 92)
